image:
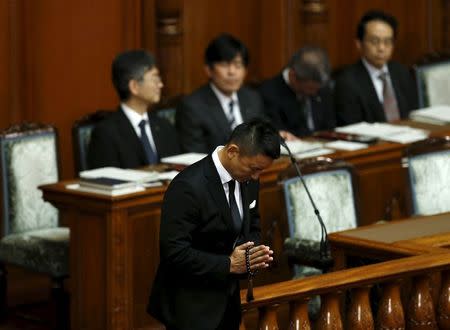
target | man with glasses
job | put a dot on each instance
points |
(133, 136)
(205, 118)
(375, 89)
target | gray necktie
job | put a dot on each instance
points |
(389, 102)
(231, 117)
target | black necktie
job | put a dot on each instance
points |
(235, 215)
(150, 153)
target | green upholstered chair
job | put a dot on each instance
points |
(31, 237)
(428, 164)
(81, 136)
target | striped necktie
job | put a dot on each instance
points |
(389, 102)
(231, 118)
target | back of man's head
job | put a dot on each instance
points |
(256, 137)
(311, 63)
(129, 65)
(375, 15)
(225, 48)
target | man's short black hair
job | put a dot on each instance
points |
(256, 137)
(129, 65)
(311, 63)
(375, 15)
(224, 48)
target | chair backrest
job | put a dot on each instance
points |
(433, 83)
(331, 185)
(81, 136)
(167, 108)
(428, 164)
(28, 159)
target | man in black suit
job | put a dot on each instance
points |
(375, 89)
(299, 99)
(209, 218)
(205, 118)
(132, 137)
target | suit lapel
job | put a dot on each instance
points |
(216, 112)
(216, 191)
(373, 103)
(245, 210)
(401, 102)
(130, 137)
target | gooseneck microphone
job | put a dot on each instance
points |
(324, 253)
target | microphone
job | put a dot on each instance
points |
(324, 249)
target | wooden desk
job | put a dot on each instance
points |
(114, 247)
(407, 237)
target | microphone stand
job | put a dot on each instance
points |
(324, 243)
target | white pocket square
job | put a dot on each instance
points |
(252, 204)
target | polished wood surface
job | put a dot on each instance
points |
(418, 311)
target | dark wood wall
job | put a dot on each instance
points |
(55, 55)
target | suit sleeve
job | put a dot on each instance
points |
(101, 151)
(179, 219)
(190, 133)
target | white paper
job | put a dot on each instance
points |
(167, 175)
(120, 173)
(384, 131)
(184, 159)
(439, 115)
(300, 146)
(314, 153)
(346, 145)
(118, 192)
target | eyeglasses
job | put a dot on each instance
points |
(387, 42)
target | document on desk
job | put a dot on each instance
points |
(385, 131)
(300, 146)
(120, 174)
(184, 159)
(346, 145)
(437, 115)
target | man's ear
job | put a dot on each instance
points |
(133, 86)
(232, 150)
(208, 71)
(358, 44)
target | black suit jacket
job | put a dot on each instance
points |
(201, 122)
(285, 110)
(193, 284)
(114, 142)
(356, 99)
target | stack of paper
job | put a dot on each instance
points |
(120, 174)
(437, 115)
(388, 132)
(305, 149)
(184, 159)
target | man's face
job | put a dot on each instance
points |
(378, 43)
(148, 89)
(244, 168)
(303, 87)
(228, 77)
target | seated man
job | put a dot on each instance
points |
(205, 118)
(132, 136)
(299, 99)
(375, 89)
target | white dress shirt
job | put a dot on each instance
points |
(375, 77)
(225, 100)
(225, 177)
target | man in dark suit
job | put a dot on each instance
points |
(206, 118)
(209, 218)
(375, 89)
(299, 99)
(132, 137)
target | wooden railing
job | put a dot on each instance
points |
(407, 299)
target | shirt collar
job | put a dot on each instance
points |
(224, 99)
(223, 173)
(134, 117)
(373, 71)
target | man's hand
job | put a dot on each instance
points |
(260, 257)
(287, 136)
